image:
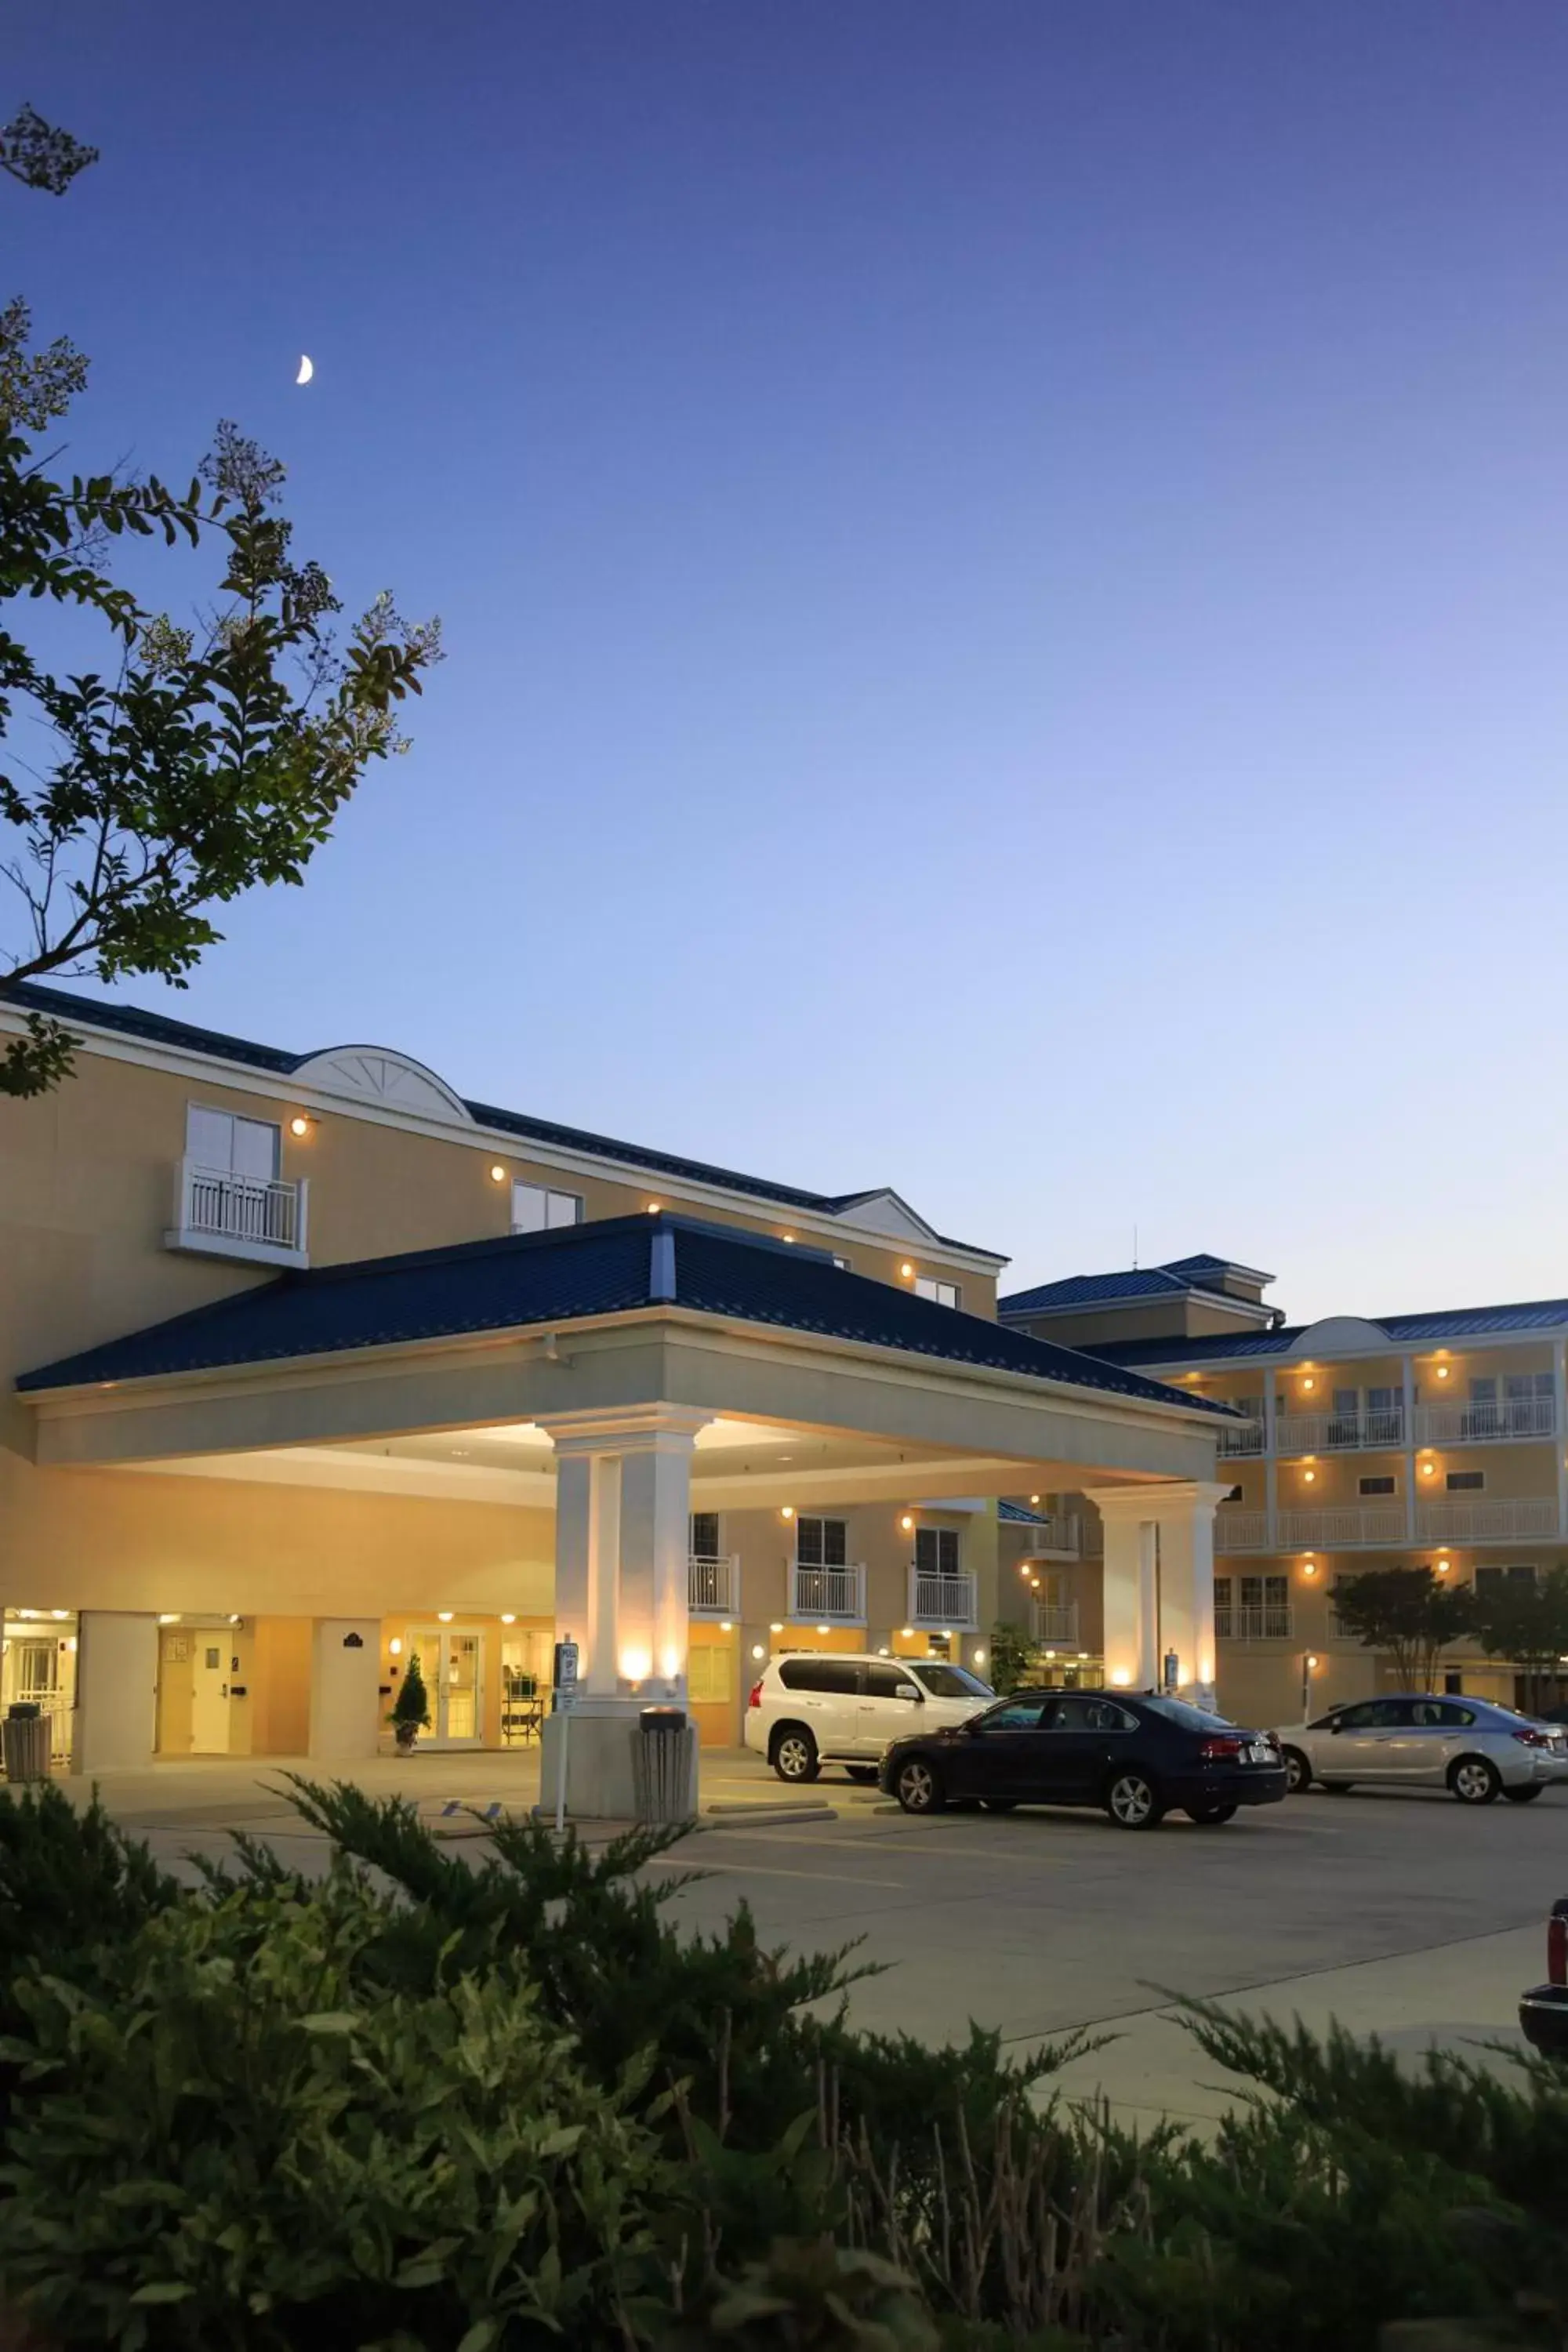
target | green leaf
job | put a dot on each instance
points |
(165, 2290)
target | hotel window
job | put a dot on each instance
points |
(1465, 1482)
(936, 1551)
(1493, 1580)
(942, 1294)
(703, 1538)
(1376, 1485)
(820, 1543)
(535, 1208)
(226, 1146)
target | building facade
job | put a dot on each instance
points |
(313, 1365)
(1436, 1440)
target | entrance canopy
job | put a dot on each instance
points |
(801, 1377)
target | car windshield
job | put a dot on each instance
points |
(952, 1682)
(1191, 1719)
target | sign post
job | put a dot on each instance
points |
(566, 1698)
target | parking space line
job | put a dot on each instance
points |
(772, 1870)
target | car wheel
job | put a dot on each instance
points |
(861, 1772)
(917, 1788)
(1474, 1780)
(1133, 1802)
(1000, 1804)
(1298, 1771)
(1210, 1816)
(794, 1754)
(1526, 1794)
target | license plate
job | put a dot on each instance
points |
(1261, 1753)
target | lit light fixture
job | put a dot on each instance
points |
(1443, 1567)
(635, 1666)
(947, 1634)
(775, 1628)
(233, 1620)
(908, 1634)
(758, 1651)
(61, 1615)
(299, 1125)
(168, 1617)
(1025, 1569)
(653, 1207)
(882, 1652)
(395, 1646)
(70, 1642)
(786, 1237)
(1442, 1371)
(1121, 1677)
(1428, 1469)
(498, 1173)
(980, 1657)
(1034, 1498)
(1083, 1658)
(509, 1617)
(1308, 1381)
(1313, 1661)
(1309, 1568)
(906, 1270)
(445, 1615)
(1050, 1655)
(786, 1510)
(907, 1522)
(825, 1629)
(726, 1625)
(1309, 1477)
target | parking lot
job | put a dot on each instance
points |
(1404, 1914)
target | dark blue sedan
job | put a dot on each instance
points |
(1139, 1755)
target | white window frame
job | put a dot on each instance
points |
(943, 1540)
(940, 1293)
(718, 1551)
(821, 1520)
(234, 1120)
(556, 1208)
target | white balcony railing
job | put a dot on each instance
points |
(1248, 1440)
(1369, 1431)
(828, 1596)
(1055, 1622)
(1268, 1623)
(1497, 1519)
(1480, 1424)
(1240, 1530)
(1059, 1535)
(949, 1602)
(713, 1586)
(226, 1215)
(1341, 1526)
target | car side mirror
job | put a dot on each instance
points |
(1336, 1727)
(908, 1690)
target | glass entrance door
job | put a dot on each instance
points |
(453, 1665)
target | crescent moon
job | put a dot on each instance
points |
(307, 369)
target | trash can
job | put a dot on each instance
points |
(660, 1765)
(24, 1741)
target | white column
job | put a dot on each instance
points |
(1407, 1376)
(623, 1504)
(1186, 1513)
(116, 1689)
(345, 1687)
(1559, 1430)
(1129, 1584)
(1272, 1458)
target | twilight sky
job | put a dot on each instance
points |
(1002, 565)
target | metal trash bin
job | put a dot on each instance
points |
(661, 1768)
(24, 1741)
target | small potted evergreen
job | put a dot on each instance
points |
(411, 1709)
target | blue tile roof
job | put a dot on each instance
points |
(1178, 1278)
(1403, 1330)
(1013, 1515)
(604, 1268)
(156, 1028)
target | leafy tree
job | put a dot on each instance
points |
(1529, 1624)
(1409, 1612)
(1012, 1659)
(195, 761)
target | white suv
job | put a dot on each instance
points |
(817, 1707)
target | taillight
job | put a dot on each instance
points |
(1214, 1751)
(1557, 1946)
(756, 1697)
(1533, 1739)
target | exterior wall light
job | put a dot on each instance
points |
(979, 1657)
(1121, 1677)
(786, 1510)
(168, 1617)
(1034, 1498)
(498, 1173)
(726, 1625)
(906, 1270)
(445, 1615)
(394, 1647)
(509, 1617)
(908, 1634)
(1309, 1477)
(653, 1207)
(1442, 1371)
(1428, 1469)
(825, 1629)
(907, 1522)
(1308, 1382)
(775, 1628)
(1313, 1661)
(1309, 1568)
(1444, 1566)
(635, 1666)
(786, 1237)
(758, 1651)
(299, 1125)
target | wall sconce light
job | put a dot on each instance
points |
(1313, 1661)
(299, 1125)
(1121, 1677)
(1309, 1568)
(786, 1237)
(1034, 1498)
(59, 1616)
(1444, 1566)
(907, 1522)
(825, 1629)
(635, 1666)
(980, 1657)
(1428, 1469)
(786, 1510)
(653, 1207)
(394, 1647)
(758, 1651)
(1308, 1477)
(445, 1615)
(509, 1617)
(775, 1628)
(1442, 1371)
(908, 1633)
(906, 1270)
(726, 1625)
(170, 1617)
(498, 1173)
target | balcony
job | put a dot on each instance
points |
(1240, 1530)
(948, 1602)
(1058, 1536)
(219, 1214)
(1250, 1439)
(1342, 1527)
(713, 1586)
(1497, 1519)
(1486, 1424)
(1055, 1622)
(828, 1596)
(1268, 1623)
(1370, 1431)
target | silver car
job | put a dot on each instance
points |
(1469, 1745)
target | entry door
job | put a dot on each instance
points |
(454, 1669)
(209, 1694)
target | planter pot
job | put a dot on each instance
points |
(406, 1733)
